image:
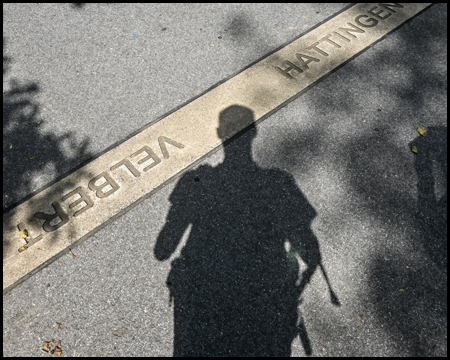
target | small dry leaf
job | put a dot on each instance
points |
(59, 328)
(414, 149)
(422, 131)
(58, 351)
(72, 253)
(401, 290)
(32, 158)
(23, 234)
(59, 343)
(23, 248)
(47, 344)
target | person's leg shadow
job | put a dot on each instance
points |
(236, 285)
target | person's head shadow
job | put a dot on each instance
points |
(236, 285)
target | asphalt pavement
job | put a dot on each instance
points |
(335, 167)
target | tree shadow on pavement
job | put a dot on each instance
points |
(236, 285)
(408, 274)
(32, 161)
(413, 300)
(31, 158)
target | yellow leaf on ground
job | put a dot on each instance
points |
(422, 131)
(47, 345)
(23, 234)
(414, 150)
(23, 248)
(58, 351)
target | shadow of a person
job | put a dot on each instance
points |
(236, 284)
(431, 168)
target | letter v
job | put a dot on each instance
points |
(162, 140)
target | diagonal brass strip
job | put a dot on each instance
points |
(78, 205)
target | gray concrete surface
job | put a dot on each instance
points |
(76, 80)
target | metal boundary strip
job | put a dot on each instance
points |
(96, 193)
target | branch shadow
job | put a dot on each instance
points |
(32, 158)
(33, 161)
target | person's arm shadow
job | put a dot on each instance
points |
(176, 223)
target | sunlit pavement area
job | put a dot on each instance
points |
(196, 268)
